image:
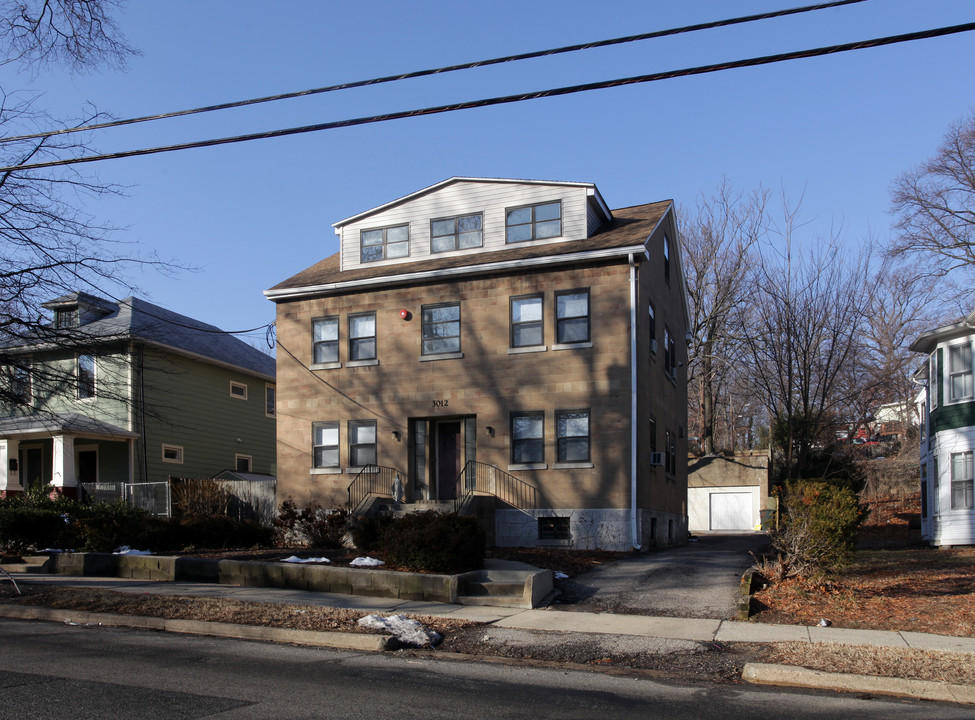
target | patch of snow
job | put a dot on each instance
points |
(296, 559)
(366, 562)
(559, 575)
(126, 550)
(406, 630)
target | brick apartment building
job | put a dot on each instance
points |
(506, 347)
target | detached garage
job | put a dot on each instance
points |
(726, 493)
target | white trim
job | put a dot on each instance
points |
(250, 462)
(420, 277)
(327, 471)
(527, 349)
(442, 356)
(572, 466)
(325, 366)
(572, 346)
(179, 451)
(362, 363)
(947, 374)
(528, 466)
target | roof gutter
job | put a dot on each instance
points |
(634, 519)
(464, 270)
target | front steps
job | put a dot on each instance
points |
(505, 584)
(25, 564)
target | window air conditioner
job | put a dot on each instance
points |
(656, 458)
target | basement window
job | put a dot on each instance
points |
(553, 528)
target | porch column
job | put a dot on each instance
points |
(9, 471)
(63, 476)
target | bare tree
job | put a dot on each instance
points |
(77, 34)
(49, 244)
(718, 241)
(805, 326)
(935, 205)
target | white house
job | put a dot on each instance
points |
(947, 408)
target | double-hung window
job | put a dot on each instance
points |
(270, 400)
(934, 381)
(526, 321)
(86, 377)
(362, 336)
(456, 233)
(652, 329)
(440, 329)
(362, 443)
(325, 444)
(384, 243)
(572, 428)
(671, 450)
(962, 481)
(960, 372)
(666, 258)
(572, 317)
(527, 437)
(670, 354)
(21, 383)
(325, 340)
(533, 222)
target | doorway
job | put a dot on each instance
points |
(86, 465)
(32, 467)
(448, 456)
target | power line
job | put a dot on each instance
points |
(487, 102)
(436, 71)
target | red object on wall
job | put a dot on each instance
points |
(405, 314)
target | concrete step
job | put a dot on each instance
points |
(26, 564)
(512, 601)
(487, 587)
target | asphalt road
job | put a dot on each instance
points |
(697, 580)
(54, 671)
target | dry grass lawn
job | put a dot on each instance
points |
(915, 589)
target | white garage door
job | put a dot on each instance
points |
(731, 511)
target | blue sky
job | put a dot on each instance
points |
(834, 130)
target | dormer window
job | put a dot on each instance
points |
(456, 233)
(66, 317)
(533, 222)
(385, 243)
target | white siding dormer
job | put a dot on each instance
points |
(472, 203)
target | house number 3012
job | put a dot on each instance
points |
(440, 403)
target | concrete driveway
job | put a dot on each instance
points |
(697, 580)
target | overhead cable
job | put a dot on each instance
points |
(487, 102)
(435, 71)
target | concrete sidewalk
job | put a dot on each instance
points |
(543, 620)
(547, 619)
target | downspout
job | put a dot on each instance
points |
(634, 524)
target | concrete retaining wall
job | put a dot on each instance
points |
(319, 578)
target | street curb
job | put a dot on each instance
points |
(340, 640)
(765, 674)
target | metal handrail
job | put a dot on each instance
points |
(484, 479)
(371, 480)
(11, 579)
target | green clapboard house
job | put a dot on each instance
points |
(127, 393)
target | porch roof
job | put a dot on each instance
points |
(62, 424)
